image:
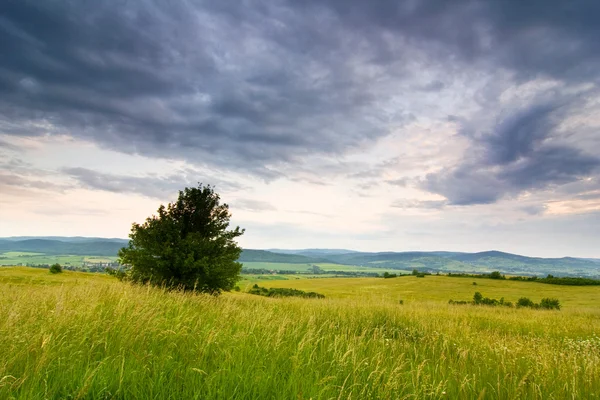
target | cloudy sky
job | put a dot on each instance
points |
(375, 125)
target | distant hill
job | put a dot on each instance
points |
(442, 261)
(265, 256)
(473, 262)
(92, 247)
(313, 252)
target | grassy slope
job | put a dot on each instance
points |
(87, 336)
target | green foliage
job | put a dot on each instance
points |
(283, 292)
(570, 281)
(187, 245)
(550, 304)
(117, 273)
(525, 302)
(387, 275)
(56, 269)
(496, 275)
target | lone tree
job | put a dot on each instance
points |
(187, 245)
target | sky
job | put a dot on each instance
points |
(376, 125)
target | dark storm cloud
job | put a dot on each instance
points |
(523, 152)
(254, 86)
(237, 87)
(151, 186)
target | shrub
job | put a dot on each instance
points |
(525, 302)
(387, 275)
(283, 292)
(550, 304)
(496, 275)
(56, 269)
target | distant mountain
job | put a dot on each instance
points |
(442, 261)
(473, 262)
(68, 239)
(313, 252)
(249, 255)
(92, 247)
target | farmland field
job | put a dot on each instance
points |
(303, 268)
(30, 258)
(77, 335)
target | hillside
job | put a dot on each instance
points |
(249, 255)
(95, 247)
(442, 261)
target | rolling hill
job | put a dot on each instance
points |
(435, 261)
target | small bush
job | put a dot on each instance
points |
(525, 302)
(550, 304)
(387, 275)
(284, 292)
(496, 275)
(474, 283)
(56, 269)
(400, 301)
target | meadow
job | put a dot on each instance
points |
(88, 336)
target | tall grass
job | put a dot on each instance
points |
(110, 340)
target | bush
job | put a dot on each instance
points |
(283, 292)
(56, 269)
(496, 275)
(550, 304)
(525, 302)
(387, 275)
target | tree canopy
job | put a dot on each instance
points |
(187, 245)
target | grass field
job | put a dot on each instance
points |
(441, 289)
(87, 336)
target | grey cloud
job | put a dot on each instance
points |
(419, 204)
(253, 205)
(17, 181)
(536, 209)
(151, 186)
(433, 86)
(525, 151)
(259, 85)
(402, 182)
(238, 87)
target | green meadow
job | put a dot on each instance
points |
(88, 336)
